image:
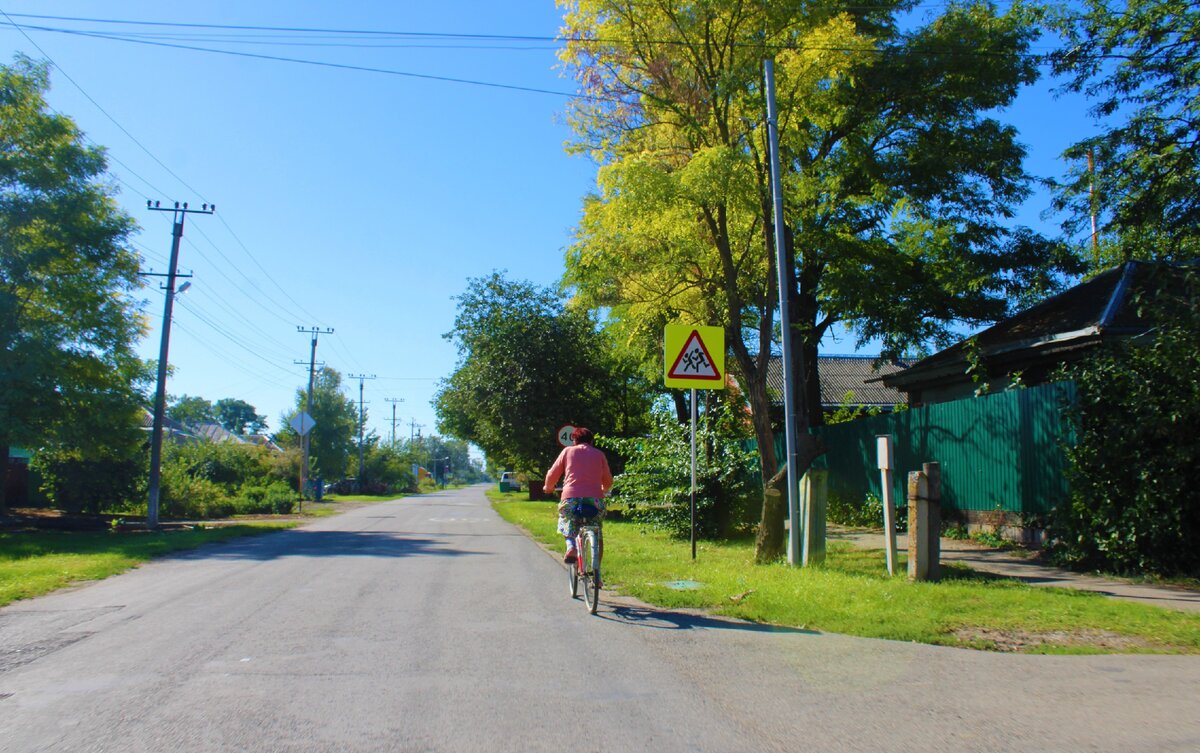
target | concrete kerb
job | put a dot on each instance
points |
(1032, 571)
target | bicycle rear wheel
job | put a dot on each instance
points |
(591, 577)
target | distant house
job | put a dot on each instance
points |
(217, 433)
(173, 431)
(846, 381)
(264, 441)
(1033, 344)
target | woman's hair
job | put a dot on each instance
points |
(582, 435)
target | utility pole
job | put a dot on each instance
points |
(412, 424)
(312, 373)
(180, 213)
(393, 401)
(361, 420)
(785, 322)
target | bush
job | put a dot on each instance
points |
(228, 464)
(655, 487)
(1135, 483)
(182, 496)
(75, 483)
(275, 499)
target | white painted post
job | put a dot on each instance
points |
(887, 461)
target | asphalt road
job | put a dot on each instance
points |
(428, 624)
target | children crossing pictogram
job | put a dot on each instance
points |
(693, 361)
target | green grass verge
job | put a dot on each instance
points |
(36, 563)
(851, 594)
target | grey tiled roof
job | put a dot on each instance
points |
(842, 374)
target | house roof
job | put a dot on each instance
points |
(1052, 331)
(842, 374)
(170, 426)
(217, 433)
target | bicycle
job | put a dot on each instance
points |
(588, 547)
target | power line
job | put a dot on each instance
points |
(82, 91)
(321, 64)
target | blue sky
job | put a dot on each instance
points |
(348, 199)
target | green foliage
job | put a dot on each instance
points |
(272, 499)
(1139, 64)
(1135, 482)
(865, 513)
(239, 417)
(847, 412)
(191, 410)
(68, 323)
(333, 439)
(527, 365)
(655, 487)
(898, 177)
(186, 497)
(75, 482)
(218, 479)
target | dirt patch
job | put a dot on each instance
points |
(1021, 640)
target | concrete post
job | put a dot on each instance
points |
(813, 511)
(933, 474)
(918, 526)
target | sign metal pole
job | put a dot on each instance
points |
(693, 473)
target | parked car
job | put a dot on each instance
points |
(509, 482)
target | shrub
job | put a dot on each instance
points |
(1135, 484)
(228, 464)
(182, 496)
(274, 499)
(76, 483)
(655, 487)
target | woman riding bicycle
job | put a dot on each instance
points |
(586, 479)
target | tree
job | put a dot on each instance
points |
(896, 181)
(69, 376)
(190, 410)
(1140, 65)
(335, 431)
(527, 365)
(239, 417)
(1134, 501)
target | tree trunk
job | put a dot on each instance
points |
(682, 412)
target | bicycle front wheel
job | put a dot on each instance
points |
(591, 575)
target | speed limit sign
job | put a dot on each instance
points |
(564, 435)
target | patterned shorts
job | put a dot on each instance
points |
(568, 523)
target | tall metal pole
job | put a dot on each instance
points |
(179, 214)
(694, 411)
(789, 388)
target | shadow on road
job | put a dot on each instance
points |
(309, 543)
(663, 619)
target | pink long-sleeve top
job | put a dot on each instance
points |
(586, 472)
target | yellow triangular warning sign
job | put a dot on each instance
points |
(695, 357)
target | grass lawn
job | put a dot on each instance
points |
(852, 594)
(33, 563)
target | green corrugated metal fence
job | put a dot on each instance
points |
(997, 452)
